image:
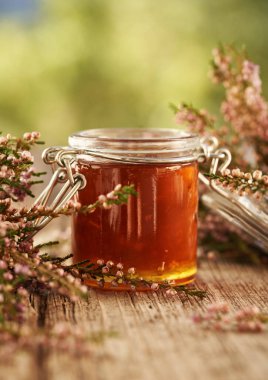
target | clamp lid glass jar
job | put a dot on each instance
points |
(156, 232)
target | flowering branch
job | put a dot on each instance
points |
(242, 183)
(23, 268)
(218, 317)
(242, 126)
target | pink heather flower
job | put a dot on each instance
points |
(265, 179)
(248, 176)
(77, 282)
(106, 206)
(250, 73)
(119, 266)
(111, 195)
(131, 270)
(48, 265)
(27, 136)
(3, 264)
(211, 255)
(102, 198)
(105, 270)
(119, 274)
(3, 140)
(155, 286)
(74, 205)
(257, 175)
(110, 264)
(60, 272)
(171, 292)
(218, 308)
(26, 155)
(8, 276)
(236, 172)
(226, 172)
(1, 298)
(118, 187)
(36, 135)
(22, 269)
(83, 289)
(100, 261)
(22, 292)
(70, 278)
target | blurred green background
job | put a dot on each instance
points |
(68, 65)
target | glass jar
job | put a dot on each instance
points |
(156, 232)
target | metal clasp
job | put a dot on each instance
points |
(61, 160)
(209, 147)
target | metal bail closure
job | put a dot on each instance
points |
(62, 161)
(242, 211)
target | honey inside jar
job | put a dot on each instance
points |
(155, 232)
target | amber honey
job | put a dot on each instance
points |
(156, 231)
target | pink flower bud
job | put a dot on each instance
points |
(27, 136)
(257, 175)
(83, 289)
(105, 270)
(3, 264)
(35, 135)
(226, 172)
(119, 274)
(119, 266)
(8, 276)
(155, 286)
(118, 187)
(102, 198)
(236, 172)
(110, 264)
(106, 206)
(110, 195)
(131, 270)
(265, 179)
(100, 262)
(248, 176)
(60, 272)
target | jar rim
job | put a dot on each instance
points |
(143, 135)
(154, 144)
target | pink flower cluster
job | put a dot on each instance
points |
(197, 121)
(218, 317)
(236, 180)
(31, 137)
(244, 106)
(16, 165)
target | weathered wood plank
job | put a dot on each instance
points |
(153, 337)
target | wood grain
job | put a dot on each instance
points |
(149, 336)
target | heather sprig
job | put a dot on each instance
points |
(242, 127)
(255, 183)
(113, 275)
(219, 317)
(23, 266)
(16, 166)
(198, 121)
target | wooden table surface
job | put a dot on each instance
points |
(151, 336)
